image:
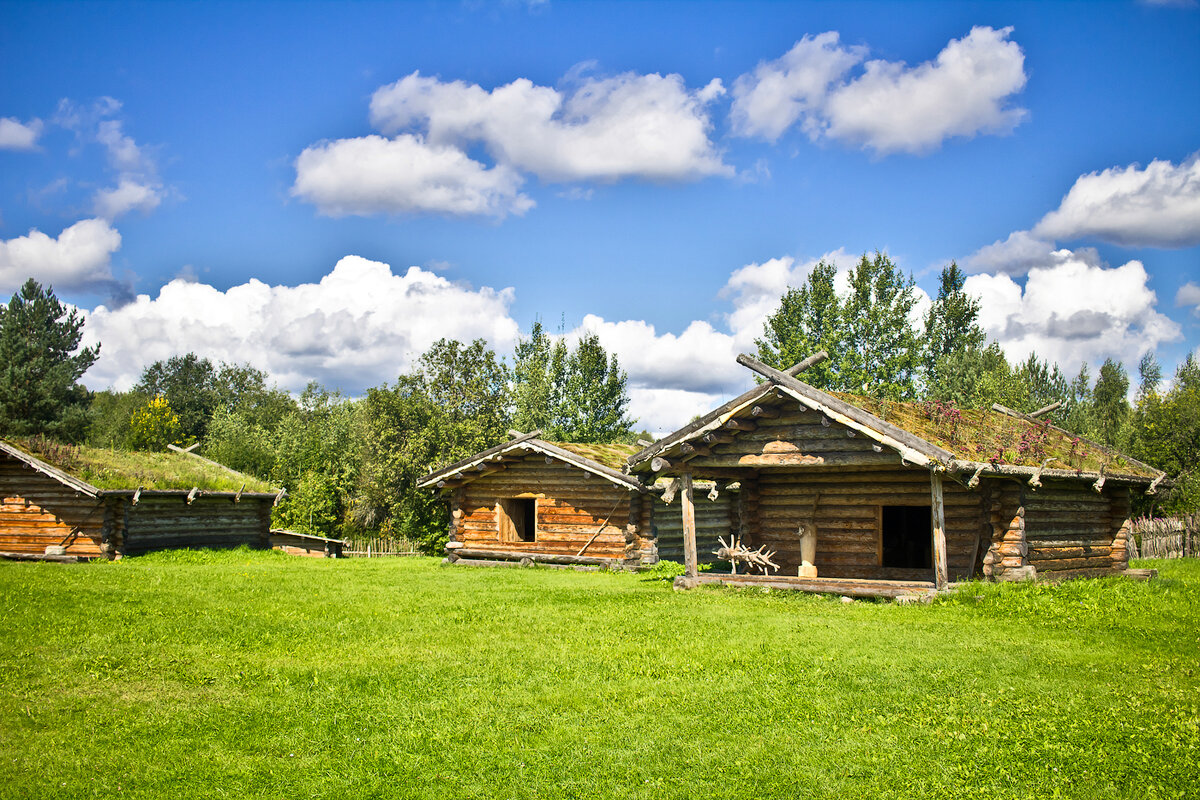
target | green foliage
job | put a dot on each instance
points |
(264, 675)
(315, 507)
(951, 324)
(1112, 412)
(1166, 433)
(154, 426)
(594, 399)
(575, 395)
(872, 346)
(240, 443)
(40, 366)
(808, 320)
(111, 413)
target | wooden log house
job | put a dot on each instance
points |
(46, 512)
(902, 498)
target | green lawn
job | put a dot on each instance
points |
(257, 674)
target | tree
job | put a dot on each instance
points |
(189, 383)
(807, 320)
(1167, 435)
(1111, 406)
(881, 354)
(153, 426)
(533, 383)
(40, 366)
(594, 400)
(951, 324)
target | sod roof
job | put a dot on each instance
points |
(610, 455)
(108, 469)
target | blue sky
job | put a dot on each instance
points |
(256, 181)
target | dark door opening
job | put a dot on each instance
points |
(517, 519)
(907, 538)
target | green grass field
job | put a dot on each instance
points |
(243, 674)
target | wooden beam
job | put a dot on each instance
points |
(689, 525)
(938, 518)
(741, 425)
(763, 412)
(1046, 409)
(516, 434)
(717, 438)
(813, 360)
(660, 464)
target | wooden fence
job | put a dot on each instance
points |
(372, 546)
(1169, 537)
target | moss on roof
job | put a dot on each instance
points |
(126, 469)
(612, 456)
(986, 435)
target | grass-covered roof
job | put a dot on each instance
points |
(984, 435)
(610, 455)
(125, 469)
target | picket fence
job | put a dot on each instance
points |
(1167, 537)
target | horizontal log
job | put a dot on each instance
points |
(516, 555)
(1051, 565)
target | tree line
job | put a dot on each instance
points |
(351, 464)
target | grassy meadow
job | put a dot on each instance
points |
(238, 673)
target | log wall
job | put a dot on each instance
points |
(715, 519)
(162, 522)
(1072, 530)
(37, 511)
(572, 505)
(847, 519)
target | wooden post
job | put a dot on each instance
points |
(689, 524)
(938, 517)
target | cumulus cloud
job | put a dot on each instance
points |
(78, 259)
(1073, 309)
(629, 126)
(1015, 255)
(128, 195)
(889, 106)
(1158, 206)
(377, 175)
(644, 126)
(17, 135)
(1189, 295)
(359, 326)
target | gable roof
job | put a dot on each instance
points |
(925, 434)
(97, 471)
(598, 459)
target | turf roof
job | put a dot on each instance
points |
(126, 469)
(984, 435)
(610, 455)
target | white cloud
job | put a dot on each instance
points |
(644, 126)
(1189, 295)
(360, 326)
(1073, 310)
(1012, 256)
(376, 175)
(80, 258)
(126, 196)
(661, 411)
(890, 106)
(17, 135)
(1158, 206)
(138, 187)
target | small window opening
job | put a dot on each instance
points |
(517, 518)
(907, 537)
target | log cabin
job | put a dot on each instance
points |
(874, 498)
(563, 503)
(46, 512)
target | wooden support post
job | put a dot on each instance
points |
(689, 525)
(940, 572)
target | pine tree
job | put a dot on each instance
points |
(40, 366)
(1111, 406)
